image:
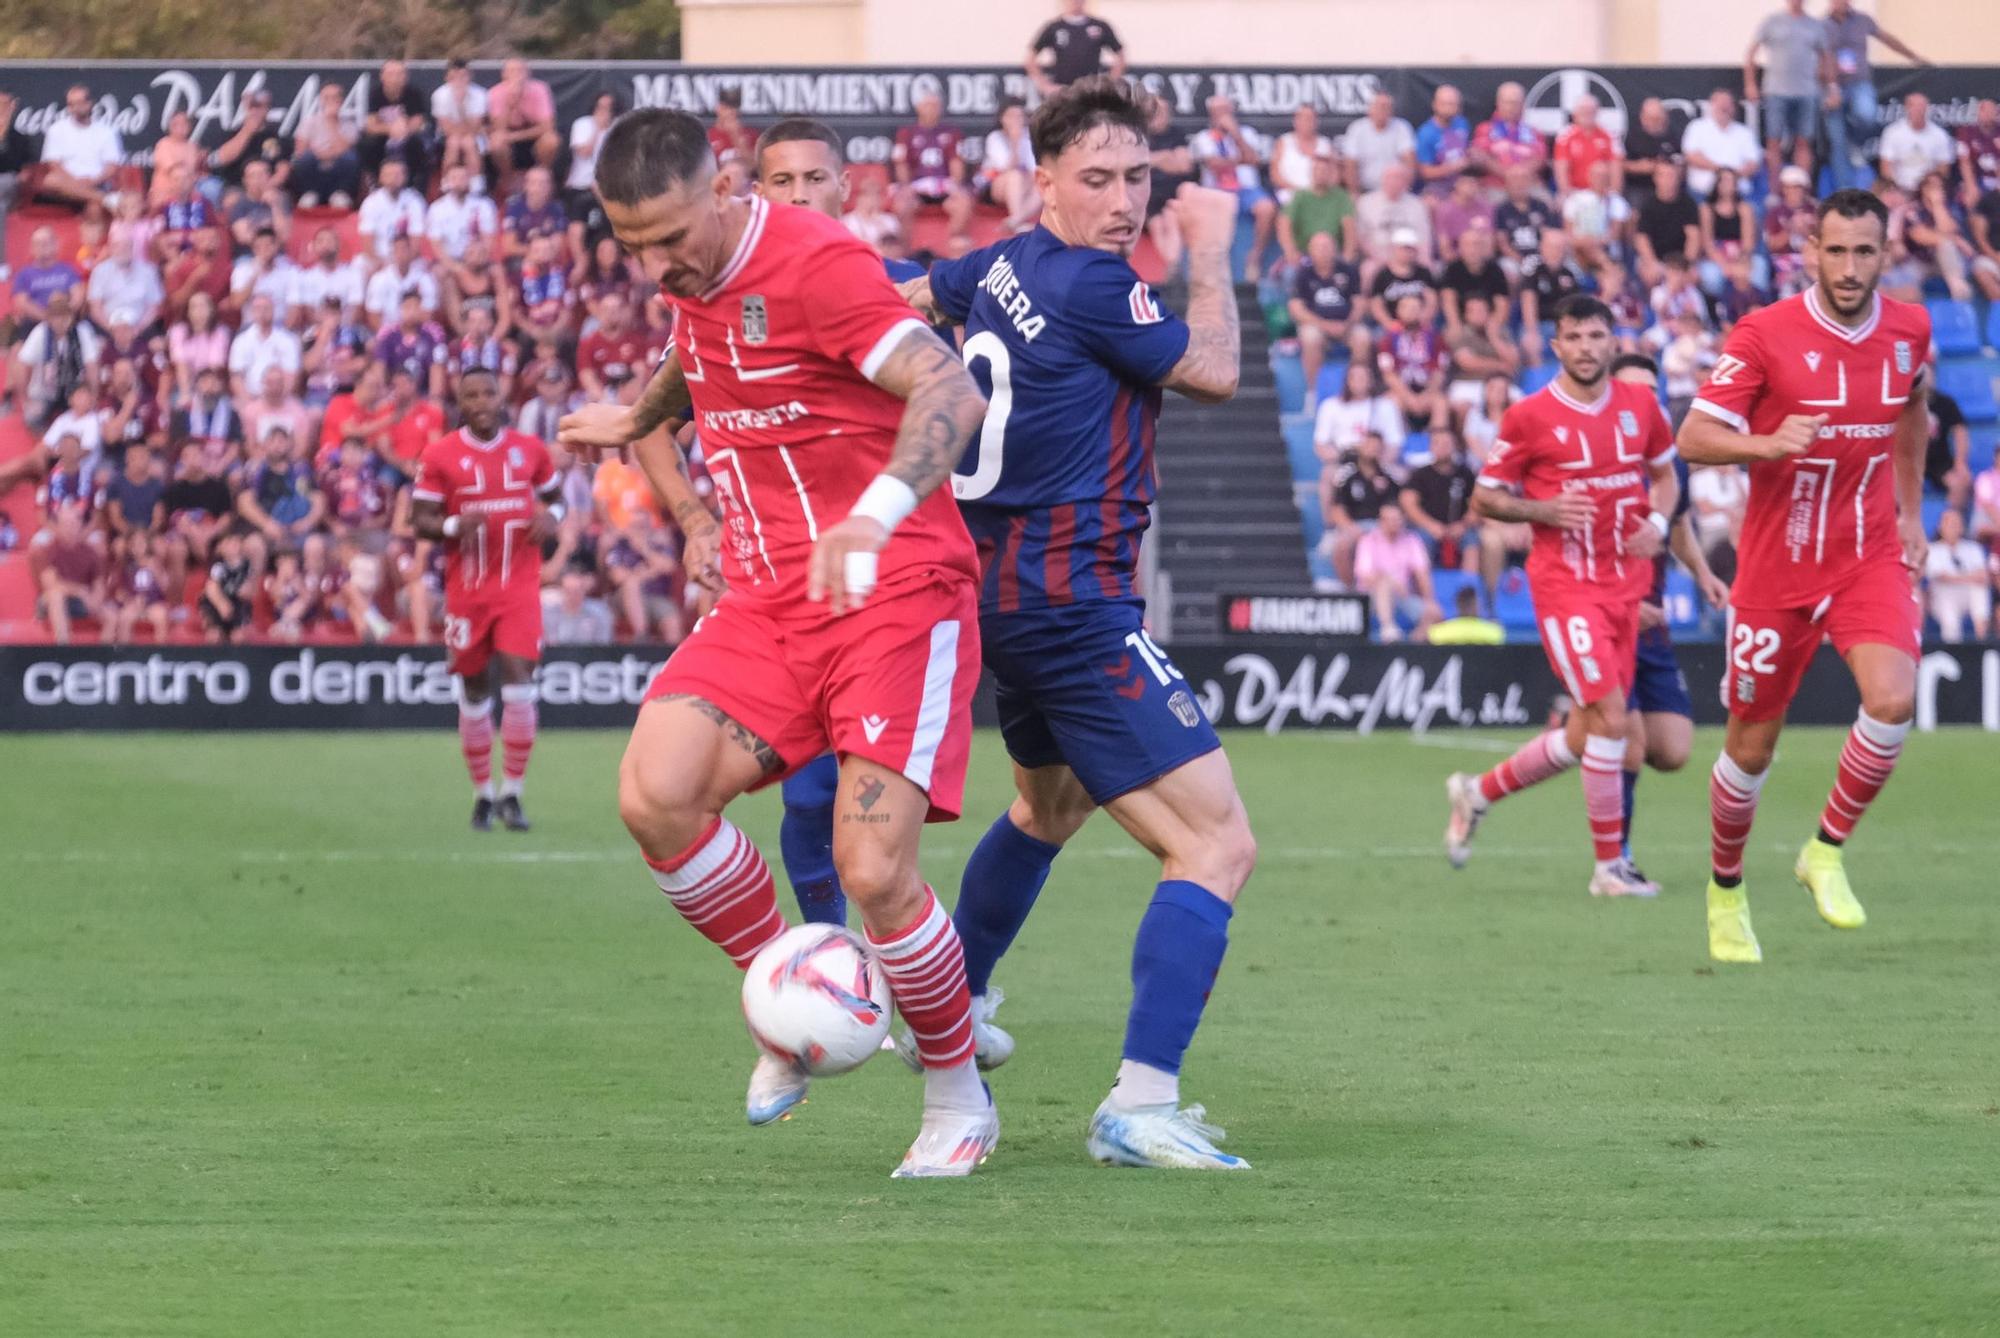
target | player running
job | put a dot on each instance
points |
(1073, 349)
(801, 162)
(1659, 712)
(830, 416)
(1823, 396)
(488, 494)
(1593, 460)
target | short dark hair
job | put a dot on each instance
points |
(1853, 204)
(476, 369)
(799, 130)
(1581, 308)
(731, 98)
(1637, 362)
(1467, 602)
(1097, 102)
(648, 152)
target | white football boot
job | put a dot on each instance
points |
(1158, 1136)
(991, 1047)
(1468, 806)
(775, 1087)
(952, 1142)
(1622, 878)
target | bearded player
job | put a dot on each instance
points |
(801, 162)
(489, 494)
(830, 416)
(1076, 350)
(1592, 460)
(1822, 395)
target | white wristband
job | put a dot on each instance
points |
(1659, 522)
(886, 501)
(450, 527)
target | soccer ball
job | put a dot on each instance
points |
(816, 997)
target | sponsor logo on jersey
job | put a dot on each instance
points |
(756, 322)
(872, 726)
(1145, 307)
(1903, 357)
(1628, 422)
(1184, 709)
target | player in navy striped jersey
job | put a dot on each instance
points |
(1073, 349)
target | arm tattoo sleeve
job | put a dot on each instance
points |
(1209, 368)
(665, 396)
(942, 409)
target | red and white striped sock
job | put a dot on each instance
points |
(1732, 806)
(518, 720)
(1865, 763)
(1545, 755)
(1604, 795)
(925, 964)
(475, 741)
(722, 887)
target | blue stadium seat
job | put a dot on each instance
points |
(1534, 378)
(1993, 326)
(1332, 374)
(1448, 581)
(1416, 450)
(1934, 506)
(1985, 440)
(1298, 432)
(1955, 327)
(1291, 379)
(1971, 384)
(1513, 606)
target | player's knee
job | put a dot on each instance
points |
(1235, 856)
(662, 810)
(1051, 819)
(875, 875)
(1891, 705)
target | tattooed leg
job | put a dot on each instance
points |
(878, 816)
(686, 760)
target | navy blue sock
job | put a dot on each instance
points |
(805, 841)
(995, 894)
(1179, 949)
(1631, 797)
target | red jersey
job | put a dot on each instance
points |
(1549, 445)
(1577, 149)
(779, 354)
(1813, 519)
(492, 487)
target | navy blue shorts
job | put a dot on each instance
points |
(1083, 686)
(813, 785)
(1657, 682)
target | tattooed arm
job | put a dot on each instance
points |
(1208, 371)
(942, 409)
(599, 427)
(663, 463)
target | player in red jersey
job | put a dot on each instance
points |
(1592, 460)
(829, 414)
(488, 493)
(1822, 395)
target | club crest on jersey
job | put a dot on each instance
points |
(1184, 709)
(1812, 361)
(756, 324)
(514, 456)
(1145, 308)
(1628, 423)
(1902, 357)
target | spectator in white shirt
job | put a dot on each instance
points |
(392, 209)
(1376, 142)
(1914, 146)
(57, 356)
(1230, 156)
(326, 277)
(585, 134)
(266, 272)
(82, 153)
(121, 282)
(1960, 580)
(258, 347)
(1293, 155)
(403, 274)
(84, 420)
(1718, 496)
(457, 216)
(1716, 141)
(1006, 174)
(458, 109)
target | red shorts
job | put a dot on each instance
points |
(1769, 649)
(1592, 646)
(477, 624)
(891, 683)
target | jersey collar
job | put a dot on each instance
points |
(1833, 327)
(1593, 409)
(747, 243)
(465, 435)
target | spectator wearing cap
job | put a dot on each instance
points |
(1506, 140)
(128, 283)
(81, 154)
(1444, 143)
(1323, 207)
(261, 344)
(1583, 144)
(392, 209)
(268, 272)
(1382, 215)
(326, 169)
(396, 123)
(1798, 77)
(457, 215)
(1325, 306)
(45, 275)
(1072, 45)
(1296, 152)
(382, 299)
(458, 111)
(1914, 146)
(1716, 140)
(521, 114)
(1230, 156)
(1376, 142)
(257, 140)
(930, 168)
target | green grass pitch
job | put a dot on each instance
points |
(286, 1050)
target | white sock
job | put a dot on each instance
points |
(510, 789)
(956, 1088)
(1141, 1085)
(489, 791)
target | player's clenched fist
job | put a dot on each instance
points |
(1207, 217)
(1795, 436)
(597, 427)
(843, 563)
(1569, 511)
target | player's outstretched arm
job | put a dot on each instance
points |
(1565, 511)
(1208, 371)
(603, 427)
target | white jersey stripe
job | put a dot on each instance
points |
(935, 713)
(1552, 630)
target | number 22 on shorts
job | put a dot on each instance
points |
(1753, 653)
